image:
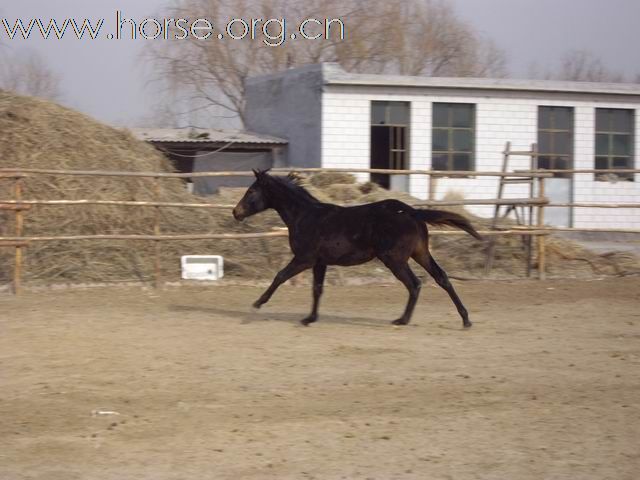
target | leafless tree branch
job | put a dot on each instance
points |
(409, 37)
(29, 75)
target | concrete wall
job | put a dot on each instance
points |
(288, 105)
(500, 117)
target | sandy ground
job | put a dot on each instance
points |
(546, 385)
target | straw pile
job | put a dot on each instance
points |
(39, 134)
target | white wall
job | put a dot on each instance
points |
(500, 117)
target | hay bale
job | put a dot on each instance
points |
(36, 133)
(368, 187)
(383, 194)
(342, 193)
(324, 179)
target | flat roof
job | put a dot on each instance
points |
(334, 74)
(203, 135)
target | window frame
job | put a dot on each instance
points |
(611, 155)
(451, 129)
(554, 131)
(387, 115)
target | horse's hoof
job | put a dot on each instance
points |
(400, 321)
(307, 321)
(467, 325)
(257, 305)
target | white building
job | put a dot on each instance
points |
(335, 119)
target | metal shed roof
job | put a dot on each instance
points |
(203, 135)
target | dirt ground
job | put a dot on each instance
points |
(125, 384)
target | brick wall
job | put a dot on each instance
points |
(500, 117)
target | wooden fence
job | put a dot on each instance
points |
(19, 205)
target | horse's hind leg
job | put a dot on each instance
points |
(440, 276)
(403, 272)
(319, 271)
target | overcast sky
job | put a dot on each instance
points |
(107, 80)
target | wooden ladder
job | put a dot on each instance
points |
(521, 216)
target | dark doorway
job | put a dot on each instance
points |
(390, 142)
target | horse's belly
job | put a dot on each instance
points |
(353, 259)
(346, 255)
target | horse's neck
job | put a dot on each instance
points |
(290, 208)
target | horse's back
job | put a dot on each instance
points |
(353, 235)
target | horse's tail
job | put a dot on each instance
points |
(442, 217)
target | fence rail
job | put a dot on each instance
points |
(27, 204)
(19, 206)
(240, 236)
(25, 172)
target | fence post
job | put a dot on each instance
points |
(542, 275)
(156, 232)
(17, 268)
(533, 165)
(432, 186)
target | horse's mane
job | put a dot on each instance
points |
(292, 185)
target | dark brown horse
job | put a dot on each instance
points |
(322, 234)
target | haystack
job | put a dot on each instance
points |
(36, 133)
(326, 179)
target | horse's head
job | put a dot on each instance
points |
(255, 199)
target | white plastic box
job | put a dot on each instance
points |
(202, 267)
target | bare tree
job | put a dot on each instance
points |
(29, 75)
(409, 37)
(584, 66)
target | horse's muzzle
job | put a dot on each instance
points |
(238, 214)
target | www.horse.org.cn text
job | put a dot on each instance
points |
(272, 32)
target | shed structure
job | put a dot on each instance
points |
(209, 150)
(335, 119)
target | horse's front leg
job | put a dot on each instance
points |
(295, 266)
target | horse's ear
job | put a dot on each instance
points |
(260, 173)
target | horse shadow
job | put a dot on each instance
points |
(255, 316)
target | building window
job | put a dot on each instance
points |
(390, 142)
(390, 113)
(453, 136)
(555, 139)
(614, 142)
